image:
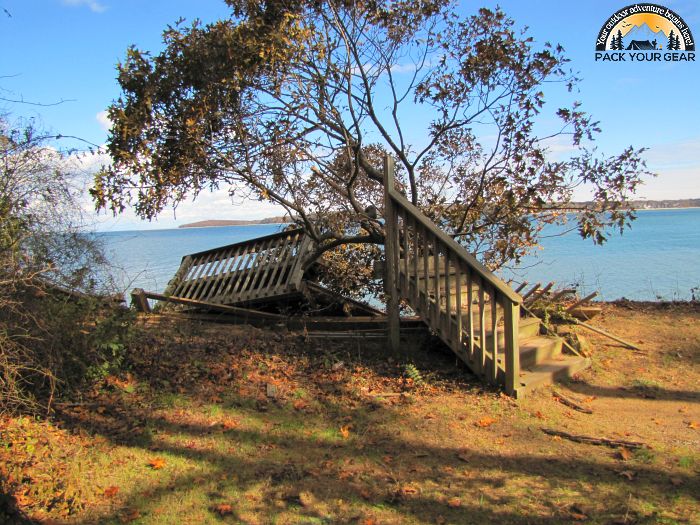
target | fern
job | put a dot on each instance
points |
(411, 372)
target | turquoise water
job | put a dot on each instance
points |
(659, 258)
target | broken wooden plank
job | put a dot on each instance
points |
(606, 334)
(211, 306)
(581, 302)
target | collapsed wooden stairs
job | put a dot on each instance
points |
(476, 314)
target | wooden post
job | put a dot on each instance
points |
(140, 301)
(390, 251)
(511, 313)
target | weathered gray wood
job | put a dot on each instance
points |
(532, 290)
(217, 307)
(139, 300)
(391, 248)
(493, 377)
(582, 301)
(511, 316)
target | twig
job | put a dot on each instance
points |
(594, 440)
(568, 402)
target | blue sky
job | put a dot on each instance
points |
(67, 50)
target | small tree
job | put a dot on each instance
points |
(296, 102)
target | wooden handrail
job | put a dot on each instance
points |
(457, 249)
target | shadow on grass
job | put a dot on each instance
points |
(287, 464)
(295, 466)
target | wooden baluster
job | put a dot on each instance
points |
(448, 302)
(230, 278)
(511, 318)
(406, 284)
(202, 294)
(458, 303)
(494, 342)
(416, 246)
(470, 316)
(436, 279)
(427, 310)
(482, 328)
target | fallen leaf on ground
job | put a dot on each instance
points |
(676, 482)
(156, 463)
(223, 509)
(345, 431)
(463, 457)
(110, 492)
(485, 421)
(624, 454)
(129, 515)
(629, 474)
(454, 503)
(694, 425)
(539, 415)
(230, 424)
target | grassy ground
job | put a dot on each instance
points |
(225, 424)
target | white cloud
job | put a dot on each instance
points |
(103, 120)
(93, 5)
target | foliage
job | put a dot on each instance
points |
(296, 102)
(53, 331)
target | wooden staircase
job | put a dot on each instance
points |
(464, 303)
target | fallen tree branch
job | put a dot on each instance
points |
(594, 440)
(568, 402)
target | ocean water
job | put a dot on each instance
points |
(659, 258)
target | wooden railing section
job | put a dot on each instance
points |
(473, 311)
(264, 267)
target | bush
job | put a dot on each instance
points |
(56, 327)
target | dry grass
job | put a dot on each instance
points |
(222, 424)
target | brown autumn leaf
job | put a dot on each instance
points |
(624, 454)
(345, 431)
(485, 421)
(230, 424)
(629, 474)
(369, 521)
(694, 425)
(223, 509)
(676, 482)
(300, 404)
(454, 503)
(156, 463)
(129, 515)
(110, 492)
(539, 415)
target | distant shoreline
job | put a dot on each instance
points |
(214, 223)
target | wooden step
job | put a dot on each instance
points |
(539, 349)
(549, 371)
(528, 328)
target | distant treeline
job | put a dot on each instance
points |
(210, 223)
(649, 204)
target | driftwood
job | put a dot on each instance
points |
(594, 440)
(572, 404)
